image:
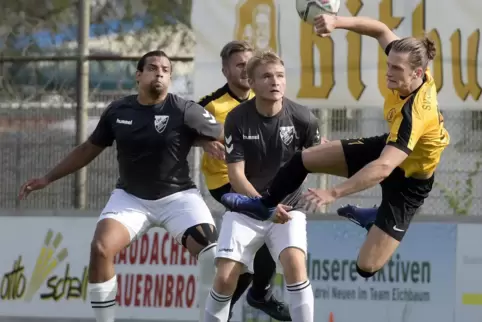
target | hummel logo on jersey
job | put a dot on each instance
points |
(124, 122)
(251, 137)
(160, 122)
(228, 143)
(211, 119)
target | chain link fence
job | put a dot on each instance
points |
(39, 95)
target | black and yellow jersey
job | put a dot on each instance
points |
(417, 127)
(219, 104)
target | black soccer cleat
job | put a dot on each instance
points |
(271, 306)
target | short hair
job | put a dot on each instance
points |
(421, 50)
(233, 47)
(155, 53)
(262, 58)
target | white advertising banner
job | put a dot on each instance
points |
(417, 284)
(469, 273)
(434, 275)
(345, 70)
(44, 271)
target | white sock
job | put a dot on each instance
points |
(217, 307)
(207, 271)
(102, 299)
(301, 301)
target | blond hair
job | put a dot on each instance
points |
(421, 50)
(234, 47)
(260, 59)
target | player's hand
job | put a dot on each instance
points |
(324, 140)
(281, 215)
(32, 185)
(315, 198)
(214, 148)
(324, 24)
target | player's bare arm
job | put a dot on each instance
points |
(373, 173)
(369, 176)
(78, 158)
(325, 24)
(238, 180)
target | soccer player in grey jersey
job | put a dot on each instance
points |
(260, 136)
(154, 132)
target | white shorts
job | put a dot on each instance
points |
(175, 213)
(241, 236)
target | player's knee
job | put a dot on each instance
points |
(197, 238)
(366, 271)
(100, 250)
(293, 260)
(227, 276)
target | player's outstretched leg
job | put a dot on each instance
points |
(328, 158)
(363, 217)
(260, 295)
(200, 241)
(110, 237)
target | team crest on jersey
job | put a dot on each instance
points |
(160, 122)
(287, 133)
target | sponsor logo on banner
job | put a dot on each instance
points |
(44, 272)
(346, 69)
(52, 273)
(416, 284)
(257, 23)
(397, 271)
(143, 278)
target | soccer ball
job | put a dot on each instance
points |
(309, 9)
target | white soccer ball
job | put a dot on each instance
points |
(309, 9)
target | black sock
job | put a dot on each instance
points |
(243, 284)
(264, 271)
(289, 178)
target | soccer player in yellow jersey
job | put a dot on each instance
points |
(235, 56)
(403, 161)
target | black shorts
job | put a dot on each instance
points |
(401, 196)
(219, 192)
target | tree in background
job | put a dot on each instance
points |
(50, 27)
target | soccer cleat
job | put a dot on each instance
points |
(271, 306)
(364, 217)
(251, 207)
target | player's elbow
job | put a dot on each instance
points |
(385, 168)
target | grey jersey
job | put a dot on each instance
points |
(266, 143)
(153, 143)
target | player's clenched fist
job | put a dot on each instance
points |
(324, 24)
(281, 215)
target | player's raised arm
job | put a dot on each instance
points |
(325, 24)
